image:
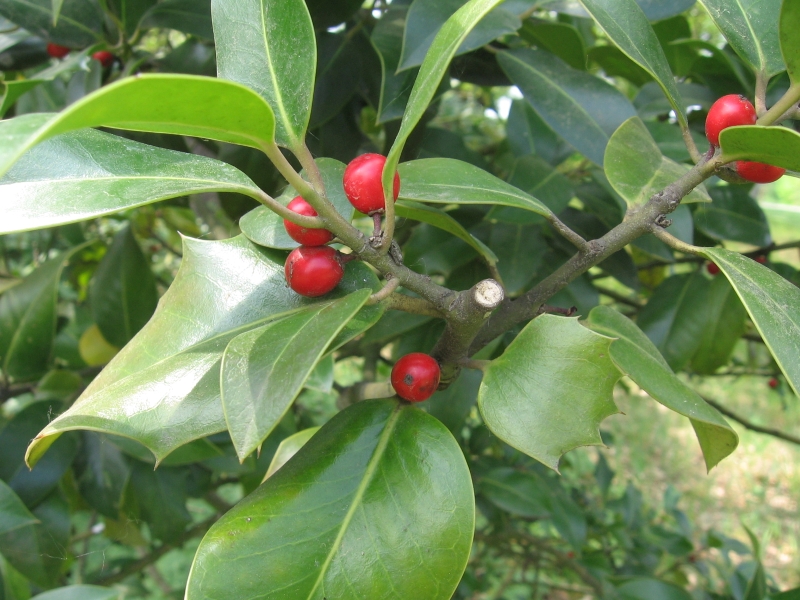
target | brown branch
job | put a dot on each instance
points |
(781, 435)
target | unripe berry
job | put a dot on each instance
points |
(773, 383)
(57, 51)
(104, 57)
(415, 377)
(312, 271)
(728, 111)
(758, 172)
(308, 236)
(362, 183)
(712, 268)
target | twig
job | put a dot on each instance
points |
(410, 304)
(788, 437)
(575, 239)
(761, 93)
(621, 298)
(387, 290)
(674, 243)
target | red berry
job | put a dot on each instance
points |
(761, 259)
(362, 183)
(758, 172)
(712, 268)
(773, 383)
(57, 51)
(104, 57)
(415, 377)
(728, 111)
(312, 271)
(308, 236)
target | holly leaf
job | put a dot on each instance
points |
(789, 32)
(13, 513)
(550, 389)
(288, 448)
(374, 459)
(639, 359)
(777, 146)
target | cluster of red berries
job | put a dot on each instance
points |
(104, 57)
(731, 110)
(314, 269)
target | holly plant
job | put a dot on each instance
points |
(335, 285)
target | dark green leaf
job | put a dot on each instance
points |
(627, 26)
(387, 38)
(288, 448)
(671, 319)
(264, 369)
(266, 228)
(179, 104)
(381, 487)
(615, 63)
(656, 10)
(453, 405)
(561, 39)
(188, 16)
(81, 592)
(637, 170)
(733, 215)
(448, 181)
(123, 292)
(550, 389)
(527, 133)
(777, 146)
(640, 360)
(130, 12)
(725, 324)
(337, 74)
(162, 389)
(101, 473)
(651, 589)
(327, 14)
(789, 31)
(773, 304)
(751, 28)
(581, 108)
(159, 497)
(520, 250)
(79, 24)
(426, 17)
(101, 174)
(270, 47)
(13, 513)
(520, 493)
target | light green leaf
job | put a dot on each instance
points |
(581, 108)
(81, 592)
(269, 46)
(751, 28)
(56, 7)
(288, 448)
(378, 504)
(636, 168)
(426, 17)
(444, 46)
(264, 370)
(13, 513)
(551, 388)
(179, 104)
(773, 304)
(163, 388)
(438, 218)
(624, 22)
(639, 359)
(777, 146)
(449, 181)
(99, 174)
(266, 228)
(789, 31)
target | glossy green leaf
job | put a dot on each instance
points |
(387, 38)
(162, 389)
(527, 133)
(426, 17)
(80, 23)
(269, 46)
(179, 104)
(777, 146)
(671, 318)
(520, 493)
(265, 227)
(101, 473)
(101, 174)
(407, 209)
(378, 504)
(520, 250)
(13, 513)
(444, 46)
(288, 448)
(615, 63)
(789, 32)
(188, 16)
(263, 370)
(338, 75)
(448, 181)
(751, 28)
(581, 108)
(123, 293)
(724, 325)
(158, 497)
(28, 321)
(636, 168)
(562, 39)
(625, 23)
(733, 215)
(639, 359)
(551, 388)
(773, 304)
(81, 592)
(657, 10)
